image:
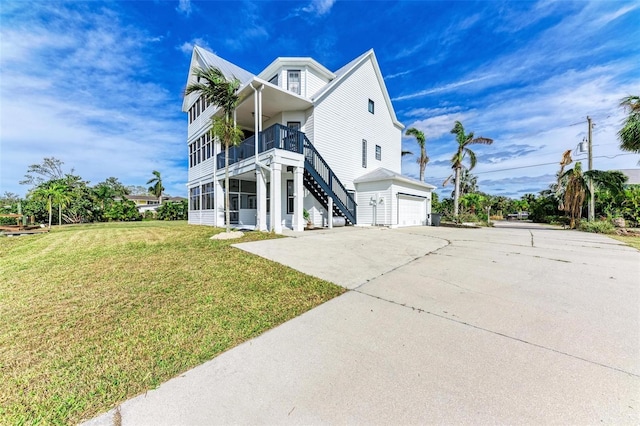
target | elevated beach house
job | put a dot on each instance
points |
(327, 142)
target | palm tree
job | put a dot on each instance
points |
(575, 186)
(52, 192)
(630, 133)
(423, 159)
(464, 140)
(468, 183)
(156, 188)
(223, 93)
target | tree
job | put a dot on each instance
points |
(156, 187)
(468, 183)
(213, 85)
(630, 132)
(574, 186)
(464, 140)
(136, 190)
(52, 192)
(423, 159)
(51, 168)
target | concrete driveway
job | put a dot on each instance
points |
(517, 324)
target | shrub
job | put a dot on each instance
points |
(600, 227)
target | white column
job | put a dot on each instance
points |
(276, 198)
(298, 196)
(219, 203)
(261, 196)
(330, 212)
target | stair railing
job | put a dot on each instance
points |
(328, 181)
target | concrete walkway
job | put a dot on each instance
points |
(517, 324)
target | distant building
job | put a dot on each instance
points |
(149, 202)
(633, 176)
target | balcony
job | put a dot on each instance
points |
(277, 136)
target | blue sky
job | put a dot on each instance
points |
(98, 84)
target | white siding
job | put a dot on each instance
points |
(342, 121)
(313, 83)
(378, 213)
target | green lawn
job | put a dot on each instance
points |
(92, 315)
(630, 240)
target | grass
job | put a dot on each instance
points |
(633, 241)
(92, 315)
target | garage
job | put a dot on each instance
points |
(386, 198)
(412, 210)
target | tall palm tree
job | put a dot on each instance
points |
(52, 192)
(630, 133)
(423, 159)
(223, 93)
(464, 140)
(156, 187)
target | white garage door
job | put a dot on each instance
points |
(412, 211)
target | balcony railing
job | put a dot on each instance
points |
(276, 136)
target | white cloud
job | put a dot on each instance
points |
(318, 7)
(98, 110)
(187, 46)
(444, 88)
(184, 7)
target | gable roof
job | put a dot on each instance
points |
(347, 70)
(385, 174)
(203, 58)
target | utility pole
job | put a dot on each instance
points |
(592, 197)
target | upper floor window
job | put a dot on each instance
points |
(293, 81)
(274, 80)
(371, 106)
(378, 152)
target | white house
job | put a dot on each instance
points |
(316, 140)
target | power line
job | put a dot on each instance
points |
(544, 164)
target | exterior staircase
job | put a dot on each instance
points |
(320, 180)
(318, 177)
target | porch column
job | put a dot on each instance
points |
(298, 197)
(276, 198)
(261, 198)
(330, 212)
(218, 194)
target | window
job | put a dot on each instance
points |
(194, 198)
(207, 196)
(274, 80)
(268, 197)
(371, 106)
(364, 153)
(290, 198)
(248, 186)
(378, 152)
(293, 81)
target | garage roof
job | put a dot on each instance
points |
(385, 174)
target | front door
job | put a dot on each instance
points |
(234, 208)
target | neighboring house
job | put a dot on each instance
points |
(149, 202)
(633, 176)
(316, 140)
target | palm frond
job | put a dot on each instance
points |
(472, 158)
